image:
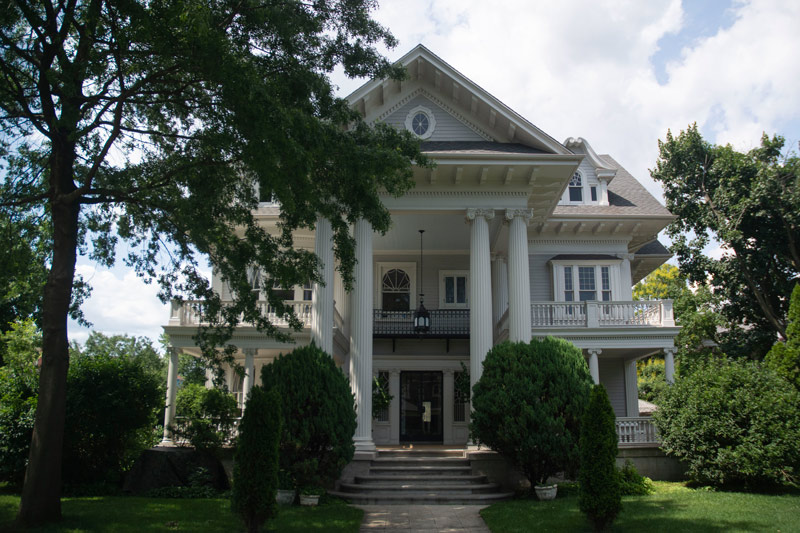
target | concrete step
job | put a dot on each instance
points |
(431, 498)
(421, 470)
(440, 480)
(458, 452)
(416, 489)
(420, 461)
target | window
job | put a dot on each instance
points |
(593, 190)
(585, 280)
(255, 279)
(308, 292)
(569, 291)
(396, 291)
(576, 188)
(586, 284)
(453, 289)
(605, 283)
(421, 122)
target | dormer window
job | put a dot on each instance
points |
(576, 188)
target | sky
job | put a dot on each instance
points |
(619, 73)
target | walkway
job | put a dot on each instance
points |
(423, 518)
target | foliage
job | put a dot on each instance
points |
(112, 406)
(784, 357)
(748, 203)
(461, 385)
(255, 468)
(528, 403)
(318, 412)
(138, 348)
(733, 422)
(19, 386)
(207, 416)
(600, 491)
(200, 486)
(163, 123)
(632, 483)
(381, 399)
(191, 369)
(651, 378)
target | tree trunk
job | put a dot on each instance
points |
(41, 494)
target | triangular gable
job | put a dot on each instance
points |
(461, 98)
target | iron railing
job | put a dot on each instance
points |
(445, 323)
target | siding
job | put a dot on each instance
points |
(448, 128)
(612, 377)
(541, 277)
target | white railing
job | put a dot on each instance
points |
(602, 314)
(636, 430)
(190, 313)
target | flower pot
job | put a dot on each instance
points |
(309, 500)
(285, 497)
(546, 492)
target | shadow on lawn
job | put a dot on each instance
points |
(648, 514)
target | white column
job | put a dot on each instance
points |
(480, 301)
(626, 290)
(499, 287)
(361, 337)
(594, 367)
(519, 277)
(394, 407)
(172, 390)
(631, 389)
(448, 387)
(249, 378)
(322, 295)
(341, 301)
(669, 365)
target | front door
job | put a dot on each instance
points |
(421, 406)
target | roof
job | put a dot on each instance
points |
(653, 248)
(626, 196)
(583, 257)
(478, 147)
(646, 408)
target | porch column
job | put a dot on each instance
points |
(594, 368)
(322, 295)
(626, 291)
(361, 337)
(480, 291)
(172, 389)
(448, 387)
(519, 276)
(631, 389)
(249, 377)
(499, 288)
(394, 406)
(669, 364)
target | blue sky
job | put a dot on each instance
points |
(618, 73)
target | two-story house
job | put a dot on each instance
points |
(513, 235)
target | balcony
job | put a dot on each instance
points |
(190, 313)
(636, 431)
(644, 313)
(445, 324)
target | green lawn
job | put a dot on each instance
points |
(673, 507)
(134, 515)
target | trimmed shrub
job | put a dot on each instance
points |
(784, 357)
(207, 417)
(528, 405)
(318, 413)
(600, 497)
(734, 423)
(632, 483)
(255, 467)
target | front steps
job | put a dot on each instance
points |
(421, 477)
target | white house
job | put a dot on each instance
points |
(524, 237)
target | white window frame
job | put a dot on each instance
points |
(431, 121)
(614, 278)
(382, 268)
(442, 293)
(587, 184)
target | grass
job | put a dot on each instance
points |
(673, 507)
(122, 514)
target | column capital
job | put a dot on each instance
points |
(475, 212)
(250, 351)
(448, 372)
(525, 214)
(595, 351)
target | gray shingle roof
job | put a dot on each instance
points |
(478, 147)
(626, 196)
(653, 248)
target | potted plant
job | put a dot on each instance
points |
(285, 493)
(309, 496)
(546, 492)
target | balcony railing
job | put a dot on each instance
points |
(602, 314)
(190, 313)
(636, 431)
(445, 323)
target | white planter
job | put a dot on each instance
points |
(309, 500)
(284, 497)
(546, 492)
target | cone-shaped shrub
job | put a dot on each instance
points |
(600, 494)
(255, 467)
(528, 404)
(784, 357)
(319, 417)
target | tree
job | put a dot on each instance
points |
(748, 203)
(784, 357)
(139, 349)
(255, 465)
(528, 405)
(600, 493)
(163, 123)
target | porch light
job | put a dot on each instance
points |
(422, 318)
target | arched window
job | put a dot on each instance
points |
(396, 291)
(576, 188)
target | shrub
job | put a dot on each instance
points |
(600, 497)
(632, 483)
(652, 378)
(200, 486)
(318, 413)
(111, 409)
(207, 416)
(784, 357)
(255, 467)
(528, 404)
(733, 423)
